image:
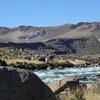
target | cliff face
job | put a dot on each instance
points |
(76, 46)
(18, 84)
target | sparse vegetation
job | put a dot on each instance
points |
(35, 64)
(28, 59)
(82, 94)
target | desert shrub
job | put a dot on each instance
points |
(96, 88)
(78, 95)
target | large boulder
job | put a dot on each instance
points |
(17, 84)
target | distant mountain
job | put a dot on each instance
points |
(83, 37)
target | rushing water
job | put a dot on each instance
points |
(53, 75)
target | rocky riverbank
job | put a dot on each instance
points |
(52, 64)
(31, 60)
(71, 89)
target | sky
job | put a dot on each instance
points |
(48, 12)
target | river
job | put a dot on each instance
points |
(49, 76)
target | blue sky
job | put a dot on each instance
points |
(48, 12)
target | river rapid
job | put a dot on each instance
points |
(49, 76)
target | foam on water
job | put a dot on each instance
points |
(53, 75)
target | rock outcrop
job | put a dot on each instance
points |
(63, 84)
(17, 84)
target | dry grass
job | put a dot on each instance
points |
(77, 61)
(85, 95)
(24, 63)
(81, 94)
(91, 95)
(58, 61)
(63, 63)
(15, 61)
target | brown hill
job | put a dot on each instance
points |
(80, 38)
(40, 34)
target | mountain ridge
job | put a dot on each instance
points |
(73, 38)
(29, 34)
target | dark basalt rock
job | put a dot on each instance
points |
(20, 84)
